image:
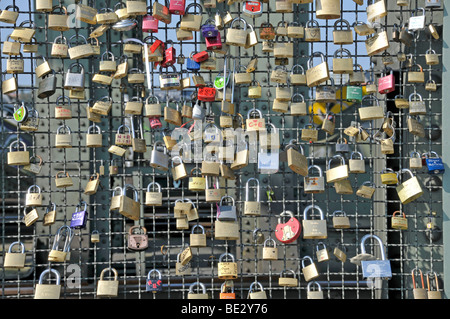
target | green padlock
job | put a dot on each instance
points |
(354, 93)
(21, 113)
(219, 81)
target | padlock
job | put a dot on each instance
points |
(237, 37)
(314, 294)
(56, 255)
(312, 31)
(342, 146)
(149, 23)
(343, 187)
(47, 85)
(386, 83)
(33, 198)
(178, 171)
(193, 295)
(415, 162)
(416, 76)
(314, 229)
(32, 121)
(329, 124)
(136, 7)
(328, 9)
(212, 195)
(80, 51)
(387, 58)
(256, 294)
(254, 90)
(389, 177)
(344, 35)
(123, 138)
(9, 85)
(158, 159)
(295, 30)
(322, 253)
(106, 16)
(255, 124)
(433, 294)
(434, 163)
(154, 284)
(58, 22)
(417, 22)
(172, 116)
(399, 222)
(63, 138)
(337, 173)
(224, 294)
(30, 217)
(283, 49)
(270, 253)
(153, 198)
(431, 86)
(60, 47)
(22, 33)
(226, 212)
(192, 21)
(279, 74)
(92, 185)
(295, 78)
(252, 208)
(15, 66)
(410, 189)
(377, 42)
(340, 220)
(366, 190)
(137, 241)
(289, 231)
(363, 29)
(129, 207)
(79, 217)
(267, 31)
(108, 288)
(11, 48)
(342, 65)
(419, 293)
(375, 268)
(196, 239)
(115, 199)
(74, 81)
(319, 73)
(406, 37)
(18, 157)
(415, 127)
(10, 16)
(227, 269)
(340, 251)
(95, 236)
(63, 182)
(138, 142)
(48, 291)
(94, 139)
(15, 260)
(33, 167)
(310, 271)
(298, 108)
(376, 10)
(226, 230)
(182, 270)
(152, 107)
(356, 166)
(417, 106)
(373, 112)
(285, 281)
(314, 184)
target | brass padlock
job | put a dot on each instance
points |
(9, 85)
(50, 215)
(237, 37)
(415, 162)
(58, 22)
(11, 48)
(196, 239)
(106, 16)
(56, 255)
(63, 138)
(252, 208)
(15, 260)
(153, 198)
(366, 190)
(312, 31)
(226, 230)
(60, 48)
(202, 295)
(410, 189)
(417, 106)
(363, 29)
(433, 294)
(416, 76)
(376, 10)
(328, 9)
(377, 43)
(84, 13)
(310, 272)
(298, 108)
(33, 167)
(356, 166)
(337, 173)
(92, 185)
(63, 182)
(270, 253)
(48, 291)
(227, 269)
(279, 74)
(108, 288)
(256, 294)
(344, 35)
(10, 16)
(22, 33)
(342, 65)
(18, 157)
(319, 73)
(286, 281)
(79, 51)
(314, 229)
(372, 112)
(129, 207)
(30, 217)
(399, 222)
(297, 79)
(322, 253)
(314, 294)
(340, 220)
(15, 66)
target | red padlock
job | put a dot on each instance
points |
(155, 122)
(213, 43)
(200, 57)
(290, 231)
(170, 56)
(177, 7)
(149, 23)
(386, 84)
(206, 94)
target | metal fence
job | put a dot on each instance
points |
(420, 246)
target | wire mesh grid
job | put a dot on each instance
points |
(417, 246)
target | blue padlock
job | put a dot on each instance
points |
(79, 218)
(434, 164)
(153, 284)
(191, 65)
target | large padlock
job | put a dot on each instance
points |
(108, 288)
(55, 254)
(319, 73)
(373, 112)
(129, 207)
(256, 294)
(196, 183)
(342, 65)
(376, 10)
(237, 37)
(192, 294)
(152, 197)
(18, 157)
(80, 51)
(314, 229)
(357, 77)
(314, 294)
(410, 189)
(74, 81)
(192, 21)
(314, 184)
(328, 9)
(159, 159)
(326, 94)
(149, 23)
(289, 231)
(15, 260)
(298, 108)
(377, 42)
(310, 271)
(283, 49)
(227, 269)
(154, 284)
(337, 173)
(340, 220)
(434, 163)
(295, 30)
(356, 166)
(79, 217)
(344, 35)
(47, 85)
(11, 48)
(197, 239)
(10, 16)
(136, 7)
(137, 241)
(48, 291)
(226, 230)
(58, 22)
(33, 196)
(375, 268)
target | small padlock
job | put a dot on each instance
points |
(253, 294)
(154, 284)
(366, 190)
(410, 189)
(34, 198)
(79, 217)
(433, 294)
(290, 231)
(286, 281)
(137, 241)
(399, 222)
(340, 220)
(322, 253)
(314, 184)
(310, 272)
(227, 269)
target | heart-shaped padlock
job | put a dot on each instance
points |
(290, 231)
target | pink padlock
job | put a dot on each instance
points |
(386, 84)
(155, 122)
(149, 23)
(213, 43)
(177, 7)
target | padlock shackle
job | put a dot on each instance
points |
(369, 183)
(370, 97)
(436, 281)
(320, 243)
(69, 236)
(341, 50)
(298, 94)
(117, 188)
(341, 158)
(48, 271)
(413, 274)
(306, 258)
(109, 270)
(286, 271)
(398, 212)
(152, 271)
(315, 55)
(404, 170)
(196, 284)
(22, 247)
(226, 284)
(380, 243)
(253, 285)
(297, 66)
(129, 186)
(133, 228)
(198, 226)
(99, 130)
(272, 240)
(227, 196)
(18, 147)
(65, 127)
(79, 206)
(226, 255)
(247, 188)
(317, 167)
(154, 183)
(238, 19)
(33, 187)
(53, 205)
(285, 213)
(341, 22)
(339, 212)
(356, 153)
(308, 208)
(308, 287)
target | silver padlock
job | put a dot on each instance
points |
(314, 184)
(226, 212)
(158, 159)
(75, 81)
(198, 112)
